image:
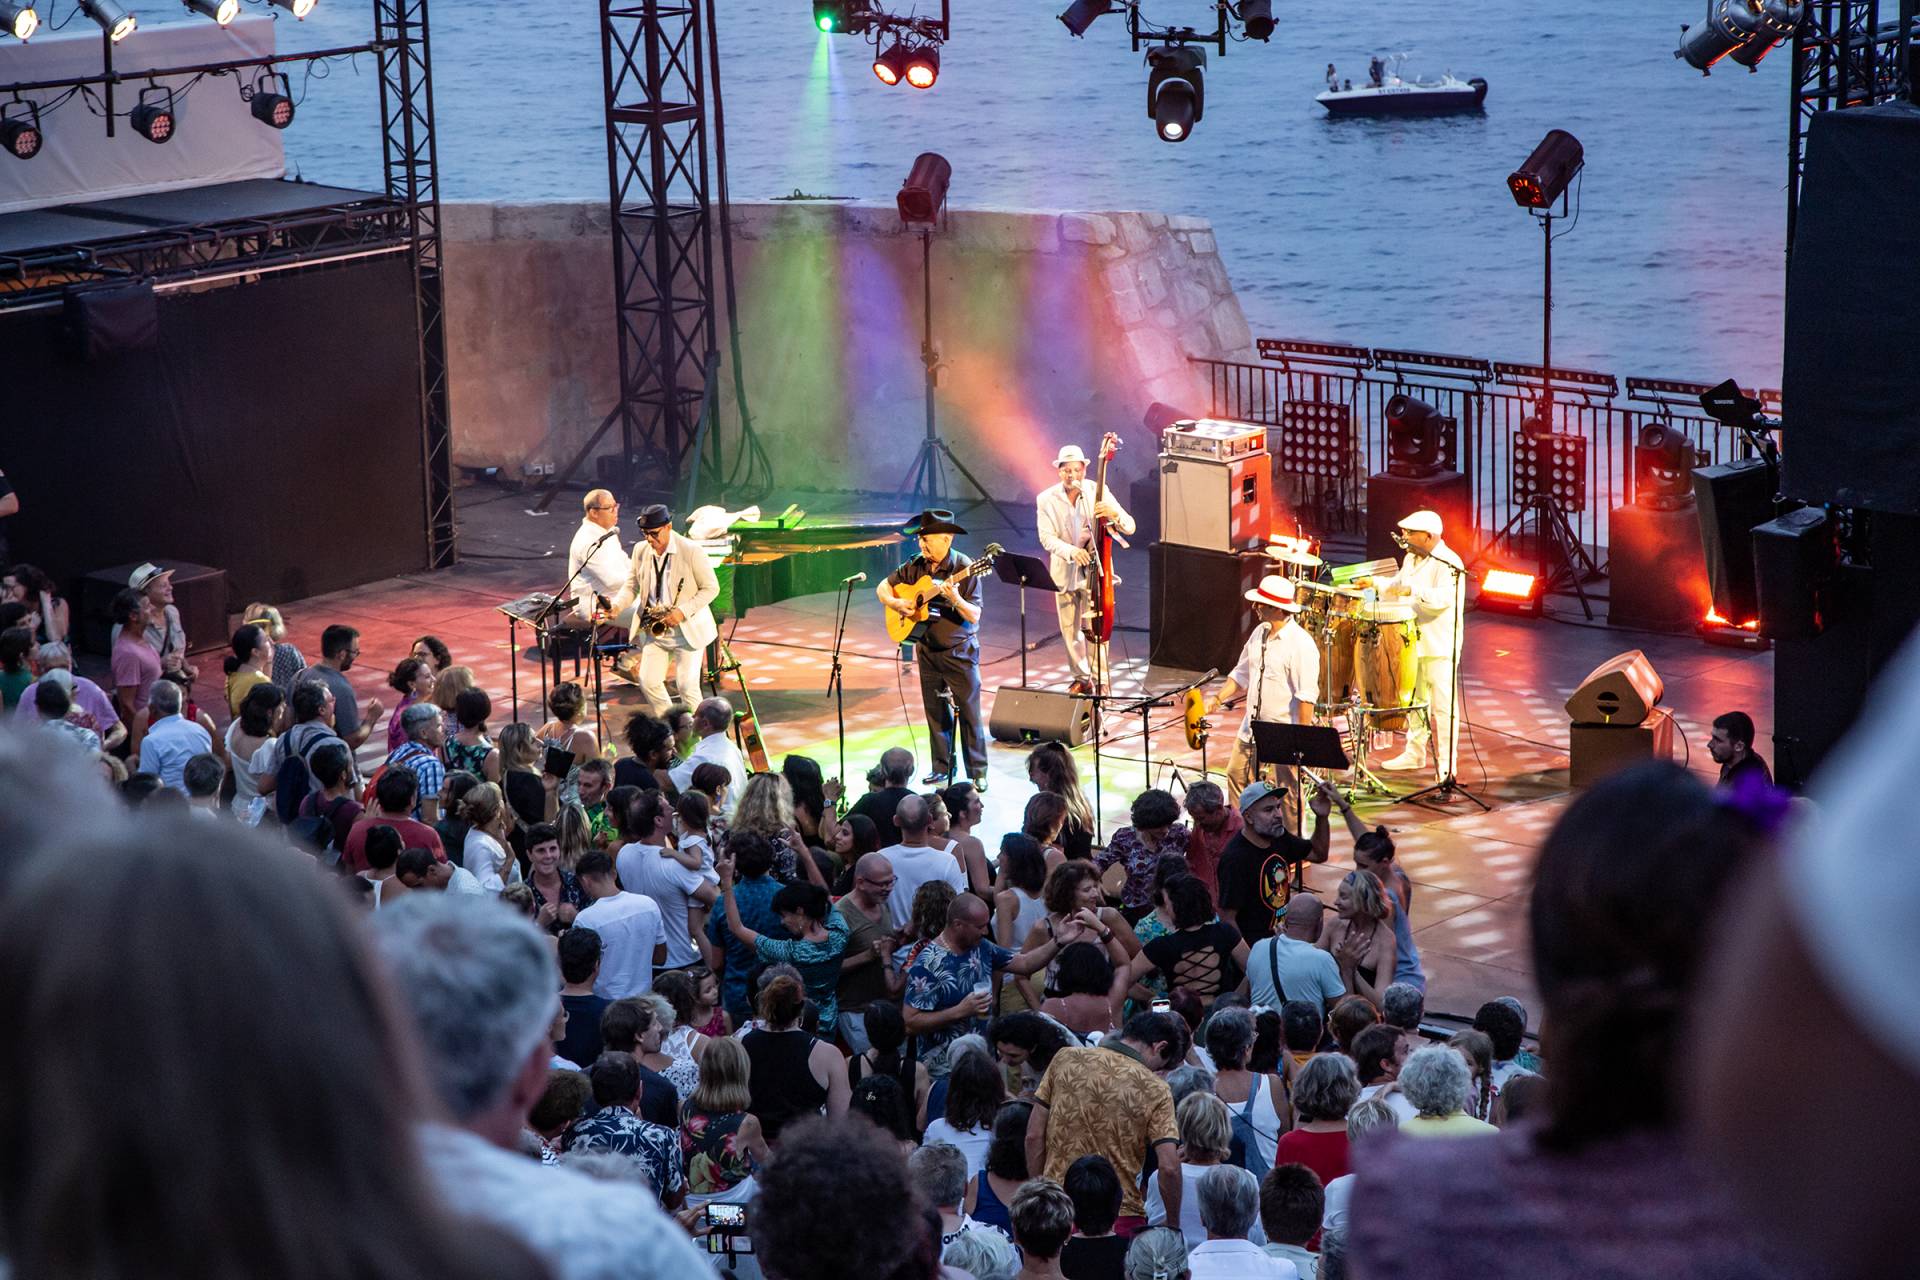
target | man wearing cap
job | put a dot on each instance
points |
(1433, 580)
(164, 632)
(1066, 514)
(1280, 670)
(947, 645)
(1255, 865)
(669, 572)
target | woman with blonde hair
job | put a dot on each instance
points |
(1359, 933)
(288, 661)
(720, 1140)
(531, 794)
(447, 688)
(1050, 767)
(765, 806)
(484, 810)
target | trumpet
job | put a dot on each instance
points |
(653, 619)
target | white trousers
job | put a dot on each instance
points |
(1072, 608)
(657, 658)
(1433, 685)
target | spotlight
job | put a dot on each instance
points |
(1257, 17)
(1176, 90)
(1663, 462)
(221, 11)
(1747, 29)
(890, 66)
(115, 21)
(925, 190)
(1415, 438)
(838, 17)
(18, 21)
(1504, 591)
(923, 66)
(1541, 180)
(1081, 13)
(20, 131)
(268, 106)
(298, 8)
(153, 118)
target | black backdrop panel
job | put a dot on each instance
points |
(1852, 401)
(274, 433)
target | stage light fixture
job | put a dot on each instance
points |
(271, 100)
(891, 66)
(115, 21)
(1506, 591)
(1257, 17)
(842, 17)
(19, 21)
(1746, 29)
(1176, 90)
(221, 11)
(923, 66)
(153, 118)
(1081, 13)
(925, 190)
(20, 129)
(1547, 172)
(1415, 438)
(298, 8)
(1663, 462)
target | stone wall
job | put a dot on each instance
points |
(1050, 327)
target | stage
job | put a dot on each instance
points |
(1471, 869)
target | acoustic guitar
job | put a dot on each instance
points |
(920, 594)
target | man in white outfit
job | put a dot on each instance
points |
(671, 573)
(1066, 512)
(1279, 668)
(1432, 579)
(597, 566)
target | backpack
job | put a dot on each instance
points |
(293, 780)
(313, 833)
(1246, 1135)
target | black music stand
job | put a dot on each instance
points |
(1315, 746)
(1029, 573)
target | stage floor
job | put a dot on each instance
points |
(1472, 869)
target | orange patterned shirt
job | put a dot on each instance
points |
(1105, 1102)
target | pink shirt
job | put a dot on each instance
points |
(135, 663)
(92, 709)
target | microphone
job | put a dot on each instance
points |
(849, 581)
(603, 538)
(1399, 540)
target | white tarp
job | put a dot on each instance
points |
(216, 137)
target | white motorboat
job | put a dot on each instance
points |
(1395, 95)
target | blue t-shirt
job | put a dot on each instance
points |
(754, 897)
(1406, 956)
(818, 963)
(941, 979)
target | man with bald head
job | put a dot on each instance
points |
(914, 861)
(950, 986)
(1288, 966)
(866, 967)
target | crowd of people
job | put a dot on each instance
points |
(642, 1010)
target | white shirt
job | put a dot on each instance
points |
(483, 857)
(1189, 1225)
(913, 866)
(605, 566)
(1307, 972)
(715, 748)
(630, 927)
(973, 1143)
(1396, 1101)
(463, 882)
(1438, 594)
(583, 1228)
(169, 744)
(1339, 1194)
(645, 869)
(1237, 1260)
(1305, 1261)
(1279, 668)
(1066, 525)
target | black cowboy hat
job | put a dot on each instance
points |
(932, 520)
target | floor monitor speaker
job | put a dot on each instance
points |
(1039, 715)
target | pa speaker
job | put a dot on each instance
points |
(1731, 499)
(1198, 616)
(105, 320)
(1847, 377)
(1659, 582)
(1793, 562)
(1039, 715)
(1622, 690)
(1391, 499)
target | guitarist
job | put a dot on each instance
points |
(1066, 512)
(947, 643)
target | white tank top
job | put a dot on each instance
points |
(1032, 910)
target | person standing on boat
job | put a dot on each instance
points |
(1333, 81)
(1375, 68)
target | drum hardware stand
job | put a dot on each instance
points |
(1360, 779)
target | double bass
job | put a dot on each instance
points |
(1100, 572)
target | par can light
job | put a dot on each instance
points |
(1257, 17)
(891, 66)
(20, 129)
(271, 100)
(1081, 13)
(153, 118)
(923, 66)
(112, 19)
(18, 21)
(221, 11)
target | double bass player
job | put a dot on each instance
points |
(1067, 514)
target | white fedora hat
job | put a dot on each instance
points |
(1070, 453)
(1275, 592)
(1423, 522)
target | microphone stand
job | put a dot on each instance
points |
(1449, 785)
(836, 681)
(541, 630)
(1146, 706)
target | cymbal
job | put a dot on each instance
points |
(1351, 593)
(1287, 555)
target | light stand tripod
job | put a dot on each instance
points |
(1449, 785)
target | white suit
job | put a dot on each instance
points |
(1437, 594)
(1066, 525)
(682, 579)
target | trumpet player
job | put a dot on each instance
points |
(671, 588)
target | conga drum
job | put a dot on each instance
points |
(1385, 663)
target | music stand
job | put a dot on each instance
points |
(1029, 573)
(1315, 746)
